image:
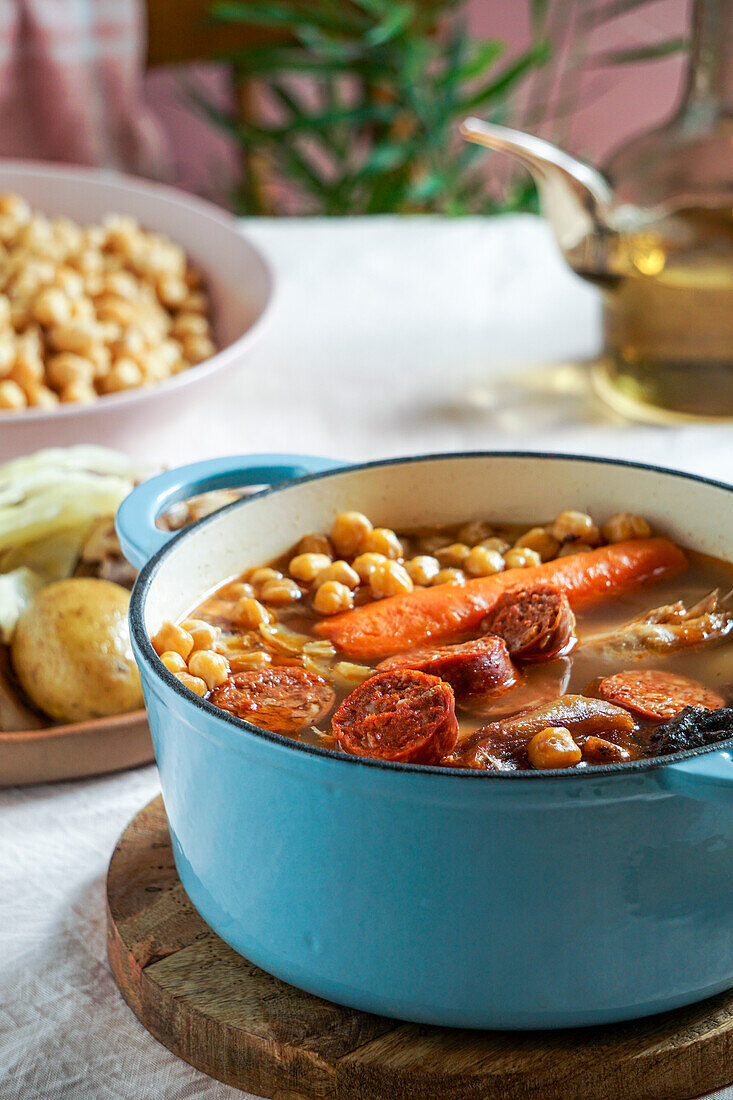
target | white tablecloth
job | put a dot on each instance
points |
(387, 337)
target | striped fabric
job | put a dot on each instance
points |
(71, 85)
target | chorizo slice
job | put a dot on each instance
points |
(280, 699)
(400, 715)
(535, 620)
(478, 671)
(657, 695)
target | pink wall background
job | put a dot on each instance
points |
(613, 102)
(609, 103)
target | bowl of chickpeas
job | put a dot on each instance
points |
(117, 297)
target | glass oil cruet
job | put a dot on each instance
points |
(655, 232)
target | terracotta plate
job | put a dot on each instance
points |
(72, 752)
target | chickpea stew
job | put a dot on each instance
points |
(483, 645)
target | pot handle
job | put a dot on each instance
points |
(707, 778)
(140, 539)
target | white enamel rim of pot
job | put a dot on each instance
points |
(147, 201)
(143, 618)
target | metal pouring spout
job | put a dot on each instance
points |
(575, 197)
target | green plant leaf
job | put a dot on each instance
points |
(508, 78)
(282, 15)
(258, 60)
(393, 24)
(482, 56)
(632, 54)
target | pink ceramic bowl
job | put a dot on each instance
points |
(238, 278)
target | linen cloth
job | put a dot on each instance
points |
(388, 336)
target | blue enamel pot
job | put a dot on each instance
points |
(525, 900)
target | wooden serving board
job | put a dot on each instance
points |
(222, 1014)
(75, 751)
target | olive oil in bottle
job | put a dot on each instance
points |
(668, 319)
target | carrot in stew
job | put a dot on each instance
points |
(398, 623)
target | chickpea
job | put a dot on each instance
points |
(333, 597)
(67, 367)
(82, 393)
(306, 567)
(51, 307)
(198, 348)
(27, 374)
(625, 525)
(15, 207)
(132, 342)
(483, 563)
(101, 359)
(193, 683)
(42, 397)
(82, 312)
(211, 667)
(349, 531)
(69, 281)
(281, 592)
(120, 283)
(260, 577)
(365, 564)
(28, 357)
(382, 540)
(190, 324)
(173, 661)
(172, 638)
(315, 544)
(125, 374)
(238, 590)
(453, 555)
(250, 613)
(474, 533)
(119, 310)
(422, 569)
(195, 302)
(11, 395)
(520, 557)
(540, 540)
(77, 337)
(7, 355)
(204, 634)
(390, 579)
(339, 571)
(574, 525)
(172, 291)
(449, 576)
(553, 747)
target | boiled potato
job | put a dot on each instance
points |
(71, 651)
